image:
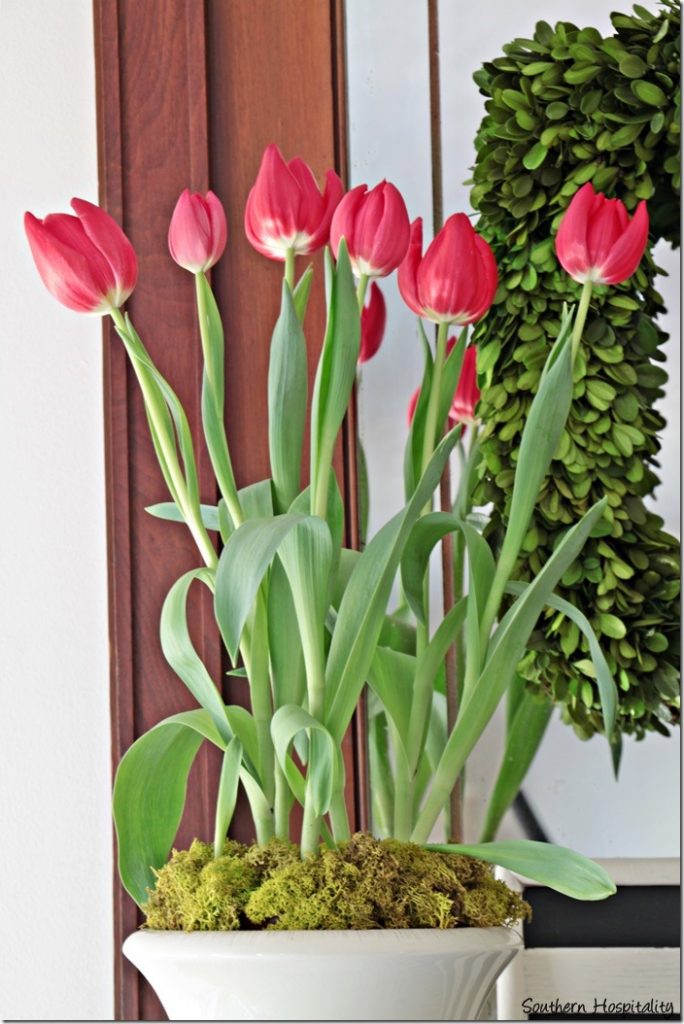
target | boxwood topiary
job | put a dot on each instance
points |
(566, 107)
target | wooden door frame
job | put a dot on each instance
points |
(188, 94)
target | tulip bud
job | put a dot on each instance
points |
(455, 281)
(286, 210)
(597, 241)
(373, 320)
(85, 261)
(198, 231)
(467, 392)
(376, 228)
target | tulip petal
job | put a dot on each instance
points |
(467, 392)
(448, 274)
(332, 194)
(70, 267)
(344, 218)
(571, 239)
(408, 269)
(487, 281)
(219, 226)
(603, 230)
(373, 321)
(626, 254)
(113, 245)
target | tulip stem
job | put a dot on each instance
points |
(290, 267)
(361, 290)
(213, 388)
(161, 420)
(581, 317)
(432, 427)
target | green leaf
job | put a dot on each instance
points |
(287, 398)
(256, 500)
(391, 676)
(535, 157)
(227, 794)
(149, 796)
(336, 372)
(362, 609)
(555, 866)
(604, 678)
(649, 93)
(169, 511)
(323, 768)
(284, 643)
(505, 651)
(302, 291)
(180, 652)
(242, 566)
(523, 738)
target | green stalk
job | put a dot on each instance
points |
(166, 451)
(361, 290)
(254, 651)
(311, 828)
(213, 400)
(403, 790)
(283, 805)
(581, 317)
(290, 268)
(339, 818)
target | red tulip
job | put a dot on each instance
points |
(375, 226)
(455, 281)
(467, 394)
(285, 209)
(373, 320)
(198, 231)
(85, 261)
(597, 241)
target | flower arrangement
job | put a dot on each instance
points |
(304, 619)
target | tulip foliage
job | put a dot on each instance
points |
(570, 111)
(303, 618)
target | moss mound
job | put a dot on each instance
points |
(366, 883)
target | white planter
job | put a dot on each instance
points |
(419, 974)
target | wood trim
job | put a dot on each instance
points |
(189, 92)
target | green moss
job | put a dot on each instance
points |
(366, 883)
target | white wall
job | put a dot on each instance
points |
(56, 860)
(571, 784)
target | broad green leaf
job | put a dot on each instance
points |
(322, 769)
(391, 677)
(242, 566)
(523, 737)
(362, 609)
(287, 397)
(604, 678)
(149, 796)
(180, 652)
(381, 775)
(556, 866)
(227, 793)
(284, 642)
(363, 491)
(450, 375)
(306, 555)
(169, 511)
(257, 500)
(335, 374)
(345, 567)
(334, 517)
(505, 650)
(244, 728)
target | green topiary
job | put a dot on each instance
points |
(566, 107)
(366, 883)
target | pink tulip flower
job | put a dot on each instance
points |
(286, 210)
(455, 281)
(597, 241)
(373, 321)
(198, 231)
(467, 394)
(86, 262)
(375, 226)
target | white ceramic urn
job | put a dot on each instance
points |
(417, 974)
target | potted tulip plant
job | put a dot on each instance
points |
(305, 621)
